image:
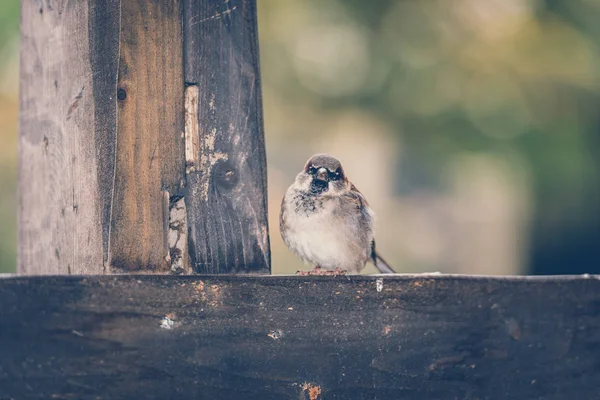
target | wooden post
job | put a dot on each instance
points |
(139, 151)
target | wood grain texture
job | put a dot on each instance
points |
(150, 158)
(235, 337)
(104, 27)
(226, 195)
(60, 186)
(103, 148)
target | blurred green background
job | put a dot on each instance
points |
(9, 108)
(472, 126)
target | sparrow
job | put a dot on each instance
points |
(327, 222)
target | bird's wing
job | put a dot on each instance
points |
(357, 196)
(358, 201)
(361, 202)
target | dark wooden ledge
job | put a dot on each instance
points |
(287, 337)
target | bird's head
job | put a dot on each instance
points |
(322, 175)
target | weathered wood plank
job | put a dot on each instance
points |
(234, 337)
(102, 161)
(103, 150)
(67, 104)
(226, 194)
(150, 159)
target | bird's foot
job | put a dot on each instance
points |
(318, 271)
(338, 271)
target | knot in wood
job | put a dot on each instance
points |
(226, 175)
(121, 94)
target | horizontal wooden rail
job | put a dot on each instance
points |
(236, 337)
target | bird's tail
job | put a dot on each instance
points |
(382, 265)
(379, 262)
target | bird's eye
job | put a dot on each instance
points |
(312, 170)
(334, 176)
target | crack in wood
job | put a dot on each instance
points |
(217, 15)
(75, 103)
(191, 128)
(177, 238)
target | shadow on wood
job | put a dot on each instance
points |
(229, 337)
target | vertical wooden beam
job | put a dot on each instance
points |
(102, 163)
(123, 168)
(150, 159)
(226, 175)
(67, 126)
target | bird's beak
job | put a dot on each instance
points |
(322, 175)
